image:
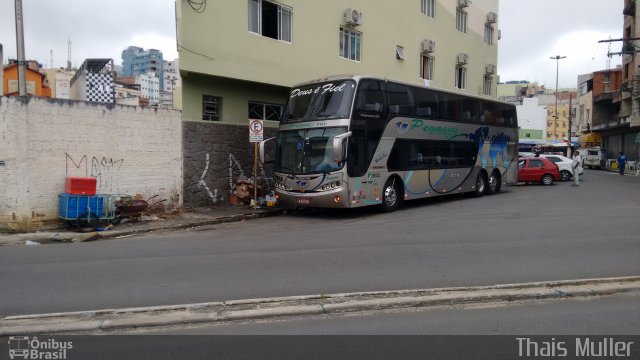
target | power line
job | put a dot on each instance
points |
(195, 52)
(198, 6)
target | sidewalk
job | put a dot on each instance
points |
(188, 218)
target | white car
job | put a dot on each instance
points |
(564, 164)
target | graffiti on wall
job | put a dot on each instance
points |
(104, 169)
(235, 172)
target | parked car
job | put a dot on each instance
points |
(538, 169)
(564, 164)
(525, 154)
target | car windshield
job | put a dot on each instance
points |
(307, 151)
(324, 101)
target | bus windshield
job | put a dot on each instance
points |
(323, 101)
(307, 151)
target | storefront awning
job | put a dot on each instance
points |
(590, 138)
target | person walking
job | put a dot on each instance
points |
(622, 160)
(575, 166)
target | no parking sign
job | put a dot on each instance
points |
(256, 130)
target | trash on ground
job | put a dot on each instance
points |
(31, 242)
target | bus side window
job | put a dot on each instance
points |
(370, 96)
(401, 100)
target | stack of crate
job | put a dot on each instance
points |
(79, 199)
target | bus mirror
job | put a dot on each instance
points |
(338, 141)
(261, 149)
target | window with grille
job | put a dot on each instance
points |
(461, 20)
(350, 41)
(428, 7)
(262, 111)
(461, 77)
(270, 19)
(211, 108)
(487, 84)
(488, 34)
(427, 67)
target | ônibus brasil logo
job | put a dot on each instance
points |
(24, 347)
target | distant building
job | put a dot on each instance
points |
(171, 75)
(137, 61)
(149, 87)
(36, 81)
(59, 81)
(94, 82)
(128, 92)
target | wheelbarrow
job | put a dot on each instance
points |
(128, 207)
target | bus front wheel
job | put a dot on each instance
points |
(391, 195)
(481, 184)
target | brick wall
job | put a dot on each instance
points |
(215, 155)
(129, 150)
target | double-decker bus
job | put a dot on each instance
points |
(353, 141)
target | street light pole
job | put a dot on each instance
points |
(555, 123)
(22, 82)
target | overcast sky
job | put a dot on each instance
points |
(532, 31)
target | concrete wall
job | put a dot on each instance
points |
(215, 155)
(129, 150)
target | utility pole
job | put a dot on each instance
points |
(570, 113)
(555, 123)
(1, 72)
(22, 79)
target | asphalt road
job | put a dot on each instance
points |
(528, 233)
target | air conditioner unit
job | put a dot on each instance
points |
(463, 58)
(464, 3)
(353, 17)
(428, 46)
(492, 17)
(490, 69)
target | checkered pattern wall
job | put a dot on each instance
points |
(100, 88)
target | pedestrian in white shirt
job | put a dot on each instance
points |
(576, 164)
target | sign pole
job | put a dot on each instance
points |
(256, 135)
(255, 175)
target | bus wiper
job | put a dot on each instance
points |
(291, 175)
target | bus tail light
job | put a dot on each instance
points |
(337, 199)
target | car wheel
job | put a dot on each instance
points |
(481, 184)
(565, 175)
(547, 179)
(493, 186)
(391, 195)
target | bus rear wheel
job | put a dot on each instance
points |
(493, 187)
(391, 195)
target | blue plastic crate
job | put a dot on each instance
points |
(73, 206)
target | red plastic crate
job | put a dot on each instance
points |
(80, 186)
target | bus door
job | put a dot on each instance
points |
(368, 121)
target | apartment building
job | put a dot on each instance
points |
(138, 61)
(621, 131)
(238, 58)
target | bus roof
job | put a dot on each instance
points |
(359, 77)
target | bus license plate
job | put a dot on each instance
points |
(304, 201)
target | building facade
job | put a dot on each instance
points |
(35, 81)
(94, 82)
(149, 87)
(138, 61)
(171, 75)
(258, 49)
(621, 130)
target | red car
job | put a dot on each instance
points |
(538, 169)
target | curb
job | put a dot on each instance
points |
(310, 305)
(20, 239)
